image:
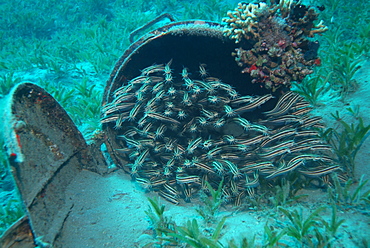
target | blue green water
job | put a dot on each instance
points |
(70, 49)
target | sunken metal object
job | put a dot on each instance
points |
(46, 153)
(176, 120)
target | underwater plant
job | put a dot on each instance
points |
(313, 86)
(303, 229)
(97, 8)
(192, 235)
(159, 223)
(343, 194)
(212, 204)
(62, 94)
(365, 36)
(343, 58)
(207, 10)
(166, 232)
(85, 89)
(333, 5)
(346, 44)
(334, 223)
(7, 81)
(10, 205)
(244, 243)
(344, 72)
(300, 228)
(10, 212)
(11, 208)
(48, 58)
(285, 193)
(348, 141)
(272, 237)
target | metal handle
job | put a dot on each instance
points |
(151, 23)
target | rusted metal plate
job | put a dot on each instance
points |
(18, 235)
(46, 152)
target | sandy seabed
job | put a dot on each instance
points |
(109, 211)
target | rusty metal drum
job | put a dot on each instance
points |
(187, 44)
(187, 106)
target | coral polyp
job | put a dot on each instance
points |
(243, 21)
(275, 48)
